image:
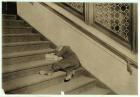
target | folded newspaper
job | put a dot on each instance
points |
(52, 57)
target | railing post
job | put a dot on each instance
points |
(89, 13)
(134, 27)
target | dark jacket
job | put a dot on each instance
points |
(68, 55)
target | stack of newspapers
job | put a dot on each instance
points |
(52, 57)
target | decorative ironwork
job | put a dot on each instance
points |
(115, 17)
(77, 6)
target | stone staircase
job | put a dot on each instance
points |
(24, 52)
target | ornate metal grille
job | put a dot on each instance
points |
(77, 6)
(115, 17)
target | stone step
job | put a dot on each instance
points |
(34, 68)
(27, 53)
(27, 81)
(58, 79)
(16, 27)
(17, 30)
(90, 88)
(25, 46)
(59, 86)
(8, 17)
(24, 66)
(96, 91)
(14, 23)
(7, 38)
(25, 56)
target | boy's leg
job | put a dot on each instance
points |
(50, 71)
(70, 72)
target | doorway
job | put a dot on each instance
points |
(9, 8)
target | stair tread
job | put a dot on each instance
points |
(22, 34)
(24, 43)
(24, 25)
(28, 80)
(9, 15)
(12, 20)
(16, 31)
(16, 27)
(14, 23)
(90, 88)
(96, 91)
(23, 66)
(65, 86)
(25, 53)
(45, 84)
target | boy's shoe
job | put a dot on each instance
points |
(69, 76)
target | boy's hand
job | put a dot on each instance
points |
(59, 58)
(52, 53)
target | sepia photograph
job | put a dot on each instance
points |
(70, 48)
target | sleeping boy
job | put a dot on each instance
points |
(68, 62)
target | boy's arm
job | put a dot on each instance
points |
(60, 53)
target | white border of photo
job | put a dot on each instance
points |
(2, 94)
